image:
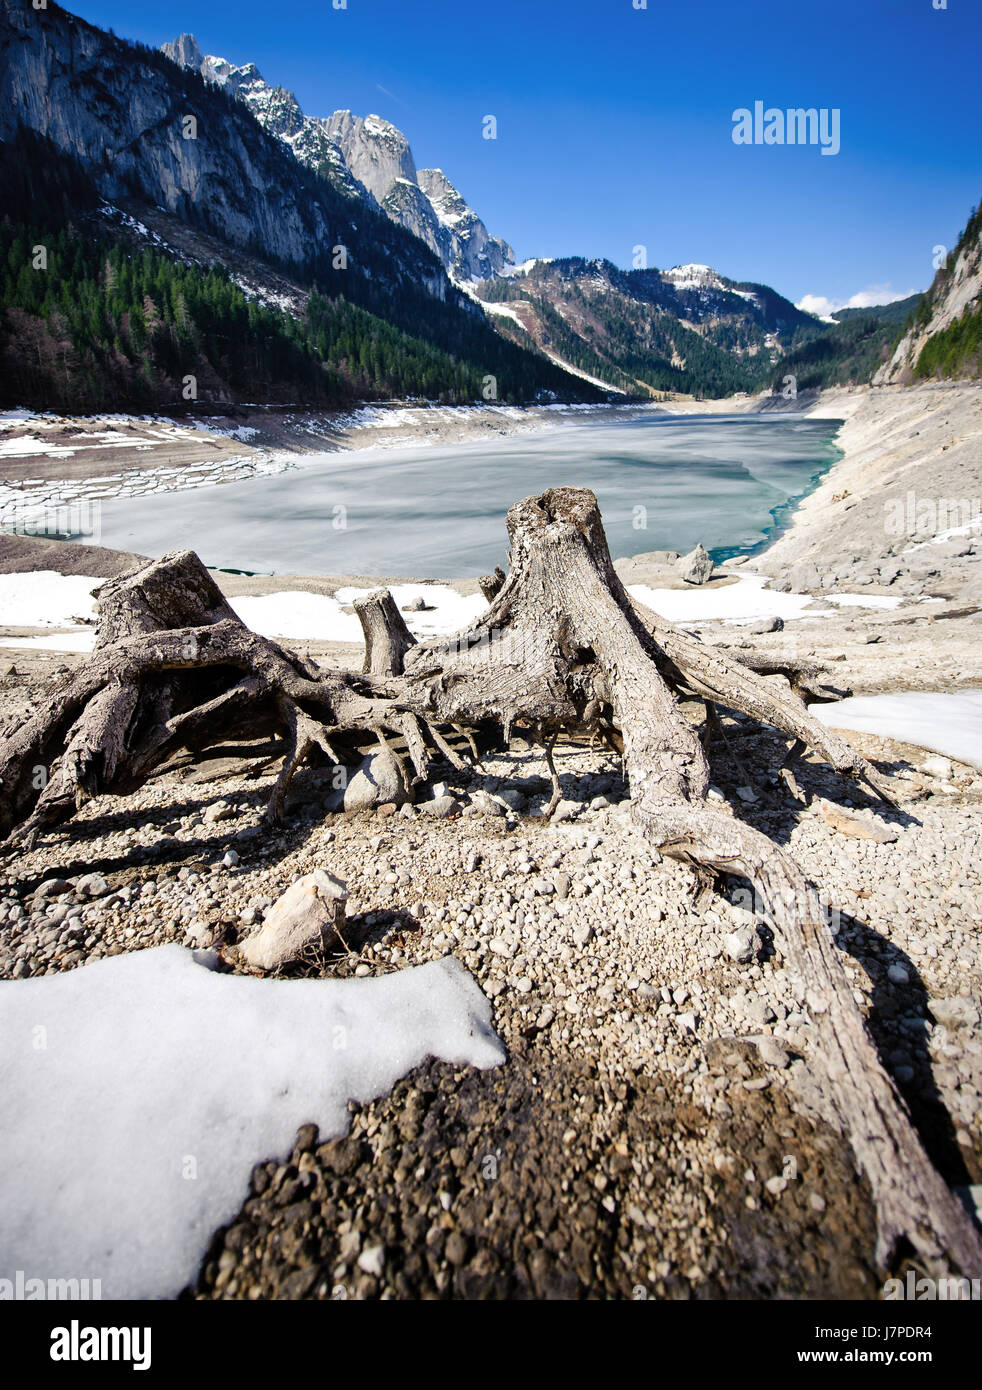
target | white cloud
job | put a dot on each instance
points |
(863, 299)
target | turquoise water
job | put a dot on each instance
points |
(663, 482)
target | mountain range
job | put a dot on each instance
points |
(215, 231)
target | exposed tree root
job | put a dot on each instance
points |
(562, 648)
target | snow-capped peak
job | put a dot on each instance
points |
(694, 276)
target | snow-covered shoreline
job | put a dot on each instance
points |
(64, 603)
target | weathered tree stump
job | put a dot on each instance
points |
(387, 638)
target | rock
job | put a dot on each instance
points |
(417, 605)
(762, 625)
(487, 804)
(741, 945)
(455, 1249)
(92, 886)
(897, 975)
(566, 810)
(804, 576)
(53, 888)
(697, 566)
(936, 766)
(561, 882)
(219, 811)
(760, 1011)
(771, 1053)
(376, 781)
(439, 806)
(513, 798)
(372, 1260)
(231, 859)
(309, 916)
(959, 1011)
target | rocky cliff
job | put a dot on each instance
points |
(940, 323)
(143, 127)
(365, 157)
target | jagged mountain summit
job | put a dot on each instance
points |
(365, 157)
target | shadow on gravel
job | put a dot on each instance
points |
(902, 1042)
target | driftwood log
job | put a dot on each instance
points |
(561, 649)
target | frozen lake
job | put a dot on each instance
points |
(663, 482)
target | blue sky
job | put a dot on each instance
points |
(615, 123)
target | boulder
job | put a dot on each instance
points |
(374, 782)
(805, 576)
(483, 803)
(92, 886)
(934, 766)
(54, 887)
(308, 917)
(770, 1051)
(697, 566)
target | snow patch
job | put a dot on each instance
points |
(946, 723)
(128, 1134)
(81, 639)
(450, 613)
(742, 602)
(43, 598)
